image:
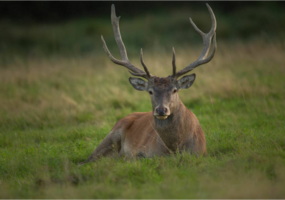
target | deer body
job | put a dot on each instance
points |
(170, 127)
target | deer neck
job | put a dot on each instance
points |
(173, 129)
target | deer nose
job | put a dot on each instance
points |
(161, 110)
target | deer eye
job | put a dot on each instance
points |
(174, 91)
(150, 92)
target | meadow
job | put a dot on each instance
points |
(60, 95)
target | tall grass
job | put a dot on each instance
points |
(54, 112)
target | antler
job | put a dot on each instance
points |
(203, 59)
(125, 61)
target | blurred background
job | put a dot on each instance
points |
(52, 64)
(73, 28)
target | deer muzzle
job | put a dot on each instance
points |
(161, 112)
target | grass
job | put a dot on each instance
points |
(55, 109)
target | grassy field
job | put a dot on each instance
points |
(55, 109)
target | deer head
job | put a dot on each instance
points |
(163, 91)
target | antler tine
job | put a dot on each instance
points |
(207, 37)
(125, 61)
(144, 66)
(173, 62)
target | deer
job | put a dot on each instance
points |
(170, 127)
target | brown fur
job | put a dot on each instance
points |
(141, 134)
(161, 82)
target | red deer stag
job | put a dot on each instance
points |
(170, 126)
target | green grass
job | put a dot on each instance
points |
(55, 109)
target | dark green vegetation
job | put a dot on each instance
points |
(60, 97)
(165, 25)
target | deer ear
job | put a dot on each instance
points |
(138, 83)
(186, 81)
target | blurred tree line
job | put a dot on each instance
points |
(49, 11)
(74, 28)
